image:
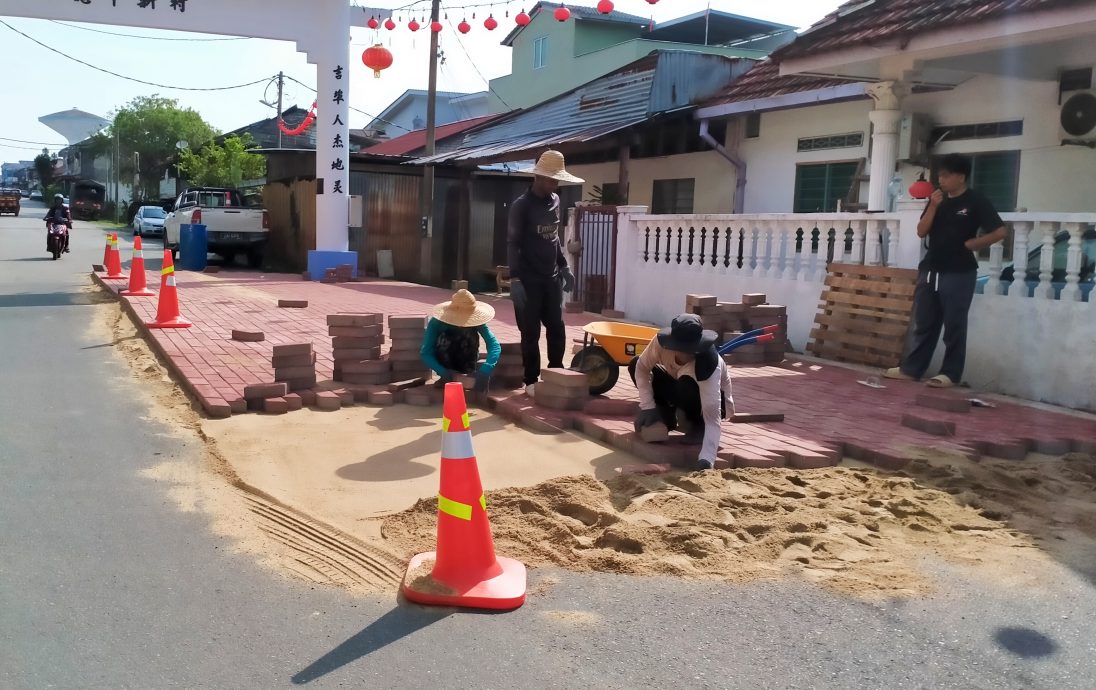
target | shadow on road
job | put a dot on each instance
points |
(52, 299)
(1025, 642)
(393, 626)
(31, 258)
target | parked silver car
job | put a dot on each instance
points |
(149, 222)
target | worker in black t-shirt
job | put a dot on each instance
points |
(958, 222)
(539, 274)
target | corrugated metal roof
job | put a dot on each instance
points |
(765, 81)
(661, 82)
(413, 141)
(860, 22)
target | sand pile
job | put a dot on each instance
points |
(854, 530)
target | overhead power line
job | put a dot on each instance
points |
(152, 38)
(24, 141)
(133, 79)
(357, 110)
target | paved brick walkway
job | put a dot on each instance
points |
(827, 413)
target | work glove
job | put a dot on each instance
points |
(448, 376)
(517, 295)
(647, 418)
(568, 280)
(483, 381)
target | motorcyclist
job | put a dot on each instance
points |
(58, 213)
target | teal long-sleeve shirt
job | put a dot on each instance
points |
(430, 341)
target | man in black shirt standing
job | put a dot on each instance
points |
(539, 274)
(953, 221)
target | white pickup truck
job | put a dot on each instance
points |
(231, 227)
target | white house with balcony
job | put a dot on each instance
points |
(828, 134)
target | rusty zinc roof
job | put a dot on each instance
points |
(868, 22)
(765, 81)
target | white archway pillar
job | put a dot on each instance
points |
(319, 28)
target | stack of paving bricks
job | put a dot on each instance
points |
(509, 372)
(732, 319)
(356, 341)
(562, 389)
(274, 398)
(295, 366)
(342, 273)
(407, 333)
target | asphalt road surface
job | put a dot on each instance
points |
(104, 583)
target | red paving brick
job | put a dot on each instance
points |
(826, 412)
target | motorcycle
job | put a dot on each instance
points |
(57, 239)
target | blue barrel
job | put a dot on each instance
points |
(193, 247)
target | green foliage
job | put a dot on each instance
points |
(147, 130)
(226, 164)
(602, 197)
(43, 165)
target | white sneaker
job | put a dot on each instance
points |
(530, 389)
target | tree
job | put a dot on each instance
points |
(43, 165)
(224, 164)
(147, 130)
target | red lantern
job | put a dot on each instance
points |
(651, 2)
(921, 189)
(490, 23)
(562, 14)
(436, 27)
(413, 25)
(464, 27)
(389, 24)
(605, 6)
(522, 19)
(377, 58)
(372, 23)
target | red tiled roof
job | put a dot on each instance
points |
(859, 22)
(764, 80)
(413, 141)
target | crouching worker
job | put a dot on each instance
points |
(684, 384)
(451, 344)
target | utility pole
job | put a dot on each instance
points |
(281, 86)
(427, 201)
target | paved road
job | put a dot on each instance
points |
(105, 584)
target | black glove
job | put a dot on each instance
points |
(483, 381)
(647, 418)
(568, 280)
(517, 295)
(447, 376)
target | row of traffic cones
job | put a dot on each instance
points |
(167, 309)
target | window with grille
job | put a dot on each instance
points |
(819, 187)
(833, 141)
(672, 196)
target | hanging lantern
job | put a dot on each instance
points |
(372, 23)
(464, 27)
(522, 19)
(605, 6)
(413, 25)
(490, 23)
(389, 24)
(436, 27)
(377, 58)
(562, 14)
(922, 188)
(651, 2)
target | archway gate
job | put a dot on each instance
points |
(319, 28)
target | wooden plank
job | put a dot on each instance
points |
(843, 354)
(883, 328)
(869, 286)
(846, 310)
(862, 301)
(891, 346)
(887, 272)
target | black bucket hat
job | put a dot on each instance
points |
(687, 334)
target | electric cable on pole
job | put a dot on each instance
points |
(428, 170)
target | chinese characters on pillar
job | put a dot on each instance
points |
(337, 142)
(177, 5)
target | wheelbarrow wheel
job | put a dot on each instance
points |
(600, 369)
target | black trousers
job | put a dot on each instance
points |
(543, 305)
(672, 395)
(940, 302)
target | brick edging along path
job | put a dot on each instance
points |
(827, 414)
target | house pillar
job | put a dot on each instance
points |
(885, 119)
(627, 256)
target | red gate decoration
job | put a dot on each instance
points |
(301, 128)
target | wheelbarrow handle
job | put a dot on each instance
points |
(746, 339)
(758, 331)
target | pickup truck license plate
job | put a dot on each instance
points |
(230, 236)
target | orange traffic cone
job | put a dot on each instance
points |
(106, 254)
(137, 285)
(167, 308)
(114, 260)
(465, 572)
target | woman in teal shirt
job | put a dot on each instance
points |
(451, 343)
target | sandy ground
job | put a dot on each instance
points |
(346, 498)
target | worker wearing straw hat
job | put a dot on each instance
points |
(451, 343)
(539, 272)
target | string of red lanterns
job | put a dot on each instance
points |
(301, 128)
(522, 18)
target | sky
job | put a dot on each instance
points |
(37, 82)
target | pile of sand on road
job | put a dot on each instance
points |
(853, 530)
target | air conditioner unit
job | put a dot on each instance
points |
(913, 138)
(1078, 117)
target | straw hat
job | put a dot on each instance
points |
(464, 311)
(550, 164)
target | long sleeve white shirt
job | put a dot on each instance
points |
(712, 390)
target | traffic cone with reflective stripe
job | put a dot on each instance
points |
(106, 254)
(137, 285)
(114, 260)
(464, 570)
(167, 309)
